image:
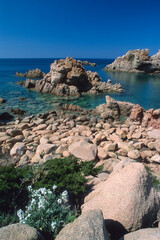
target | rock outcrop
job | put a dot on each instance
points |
(89, 226)
(143, 234)
(149, 118)
(19, 231)
(127, 199)
(87, 63)
(136, 61)
(112, 109)
(35, 73)
(67, 77)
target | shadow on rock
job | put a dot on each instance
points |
(115, 229)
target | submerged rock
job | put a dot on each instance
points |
(2, 100)
(18, 111)
(136, 61)
(6, 117)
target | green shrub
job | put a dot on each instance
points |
(13, 182)
(66, 173)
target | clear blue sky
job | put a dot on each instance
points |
(78, 28)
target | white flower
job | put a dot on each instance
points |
(59, 201)
(43, 191)
(53, 225)
(20, 214)
(29, 188)
(49, 192)
(64, 194)
(54, 187)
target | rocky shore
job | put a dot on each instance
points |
(123, 191)
(67, 77)
(136, 61)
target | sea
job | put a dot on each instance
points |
(142, 89)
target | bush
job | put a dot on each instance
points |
(13, 182)
(47, 211)
(66, 173)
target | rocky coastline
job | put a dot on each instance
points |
(137, 61)
(122, 148)
(67, 77)
(121, 200)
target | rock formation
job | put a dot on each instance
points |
(112, 109)
(67, 77)
(136, 61)
(149, 118)
(35, 73)
(87, 63)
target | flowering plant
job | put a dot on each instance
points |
(47, 211)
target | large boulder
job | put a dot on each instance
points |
(136, 61)
(89, 226)
(143, 234)
(127, 199)
(83, 150)
(19, 231)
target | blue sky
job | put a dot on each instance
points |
(78, 28)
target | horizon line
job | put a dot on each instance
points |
(51, 58)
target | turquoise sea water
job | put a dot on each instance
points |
(143, 89)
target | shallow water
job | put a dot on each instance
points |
(138, 88)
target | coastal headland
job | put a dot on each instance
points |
(136, 61)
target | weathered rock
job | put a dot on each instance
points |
(35, 73)
(30, 83)
(155, 133)
(143, 234)
(19, 231)
(14, 132)
(156, 158)
(108, 164)
(134, 154)
(127, 199)
(2, 100)
(18, 111)
(67, 77)
(18, 149)
(6, 117)
(46, 148)
(136, 61)
(83, 150)
(157, 145)
(71, 107)
(136, 114)
(89, 226)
